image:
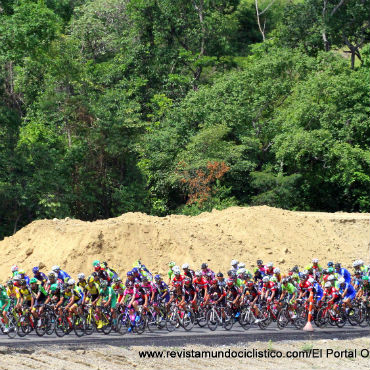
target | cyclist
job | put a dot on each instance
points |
(81, 281)
(200, 285)
(4, 303)
(119, 289)
(206, 270)
(22, 275)
(109, 298)
(221, 280)
(92, 292)
(73, 297)
(269, 269)
(25, 295)
(187, 271)
(39, 296)
(62, 275)
(40, 276)
(347, 291)
(190, 295)
(234, 265)
(170, 272)
(341, 271)
(177, 276)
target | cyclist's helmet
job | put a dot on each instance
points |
(10, 283)
(337, 266)
(284, 281)
(276, 270)
(259, 262)
(14, 268)
(157, 277)
(56, 268)
(265, 279)
(35, 269)
(315, 260)
(327, 285)
(90, 279)
(341, 281)
(54, 287)
(234, 262)
(330, 264)
(331, 277)
(81, 276)
(269, 264)
(129, 273)
(230, 282)
(241, 265)
(176, 270)
(135, 270)
(198, 273)
(104, 284)
(204, 266)
(94, 274)
(185, 266)
(71, 282)
(365, 278)
(33, 281)
(171, 264)
(117, 280)
(220, 274)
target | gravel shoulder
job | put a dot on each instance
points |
(112, 357)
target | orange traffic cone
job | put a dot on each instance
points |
(308, 326)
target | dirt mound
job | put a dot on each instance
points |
(283, 237)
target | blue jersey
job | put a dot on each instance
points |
(346, 274)
(62, 275)
(318, 290)
(351, 292)
(40, 276)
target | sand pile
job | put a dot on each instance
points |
(283, 237)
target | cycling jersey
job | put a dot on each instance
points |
(289, 288)
(13, 292)
(26, 293)
(189, 292)
(75, 293)
(351, 292)
(108, 293)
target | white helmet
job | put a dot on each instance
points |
(355, 264)
(327, 285)
(14, 268)
(331, 277)
(81, 276)
(55, 268)
(315, 260)
(16, 278)
(276, 270)
(185, 266)
(269, 264)
(242, 271)
(341, 280)
(311, 280)
(241, 265)
(176, 269)
(198, 273)
(266, 279)
(234, 262)
(360, 262)
(71, 282)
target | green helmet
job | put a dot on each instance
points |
(365, 278)
(96, 263)
(171, 264)
(33, 280)
(54, 287)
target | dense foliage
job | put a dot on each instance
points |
(173, 106)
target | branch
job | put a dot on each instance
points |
(341, 2)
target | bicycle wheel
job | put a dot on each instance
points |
(322, 318)
(79, 325)
(140, 324)
(171, 320)
(264, 318)
(61, 325)
(41, 326)
(12, 327)
(341, 318)
(352, 316)
(107, 323)
(151, 321)
(89, 323)
(229, 319)
(24, 326)
(212, 320)
(245, 319)
(51, 320)
(123, 324)
(188, 320)
(200, 317)
(282, 319)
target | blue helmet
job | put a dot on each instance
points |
(330, 264)
(157, 277)
(35, 270)
(129, 273)
(135, 270)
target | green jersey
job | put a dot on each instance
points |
(290, 288)
(107, 293)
